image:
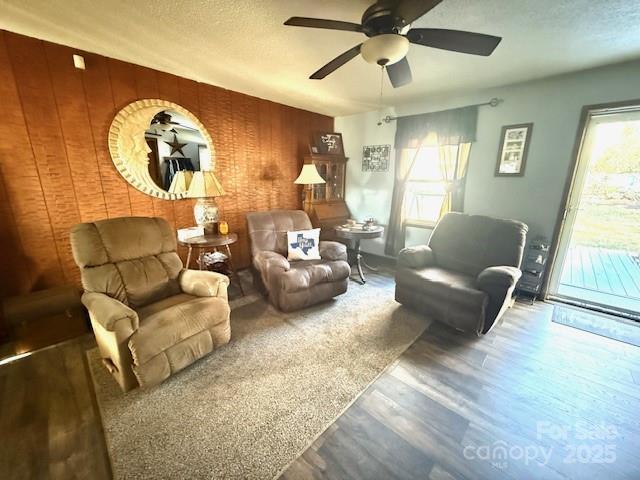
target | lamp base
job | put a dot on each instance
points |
(306, 199)
(205, 212)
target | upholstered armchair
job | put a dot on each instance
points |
(293, 285)
(466, 275)
(150, 316)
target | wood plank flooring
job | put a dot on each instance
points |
(49, 421)
(532, 399)
(514, 404)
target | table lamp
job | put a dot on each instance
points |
(308, 176)
(205, 187)
(181, 181)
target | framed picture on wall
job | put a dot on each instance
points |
(375, 158)
(514, 146)
(328, 143)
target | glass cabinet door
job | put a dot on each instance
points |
(333, 174)
(335, 181)
(320, 190)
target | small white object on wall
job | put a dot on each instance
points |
(78, 62)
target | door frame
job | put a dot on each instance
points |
(587, 112)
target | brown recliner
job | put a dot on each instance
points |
(150, 316)
(466, 275)
(294, 285)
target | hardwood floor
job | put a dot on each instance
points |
(514, 404)
(532, 399)
(49, 421)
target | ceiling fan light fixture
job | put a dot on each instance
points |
(163, 127)
(387, 23)
(385, 49)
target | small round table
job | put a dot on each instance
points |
(357, 234)
(210, 241)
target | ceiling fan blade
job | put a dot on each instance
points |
(455, 40)
(321, 23)
(336, 63)
(409, 11)
(399, 73)
(184, 127)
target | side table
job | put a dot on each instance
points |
(205, 242)
(357, 234)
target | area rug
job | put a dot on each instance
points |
(249, 409)
(619, 329)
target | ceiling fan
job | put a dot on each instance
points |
(385, 23)
(162, 121)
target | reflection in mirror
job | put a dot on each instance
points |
(157, 146)
(176, 144)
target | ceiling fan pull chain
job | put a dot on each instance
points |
(381, 83)
(382, 67)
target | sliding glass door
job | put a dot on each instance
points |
(598, 257)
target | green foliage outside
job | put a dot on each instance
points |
(623, 157)
(608, 226)
(609, 215)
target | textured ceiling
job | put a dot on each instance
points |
(242, 44)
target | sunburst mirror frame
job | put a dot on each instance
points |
(129, 149)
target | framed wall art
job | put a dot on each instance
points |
(514, 146)
(375, 158)
(328, 143)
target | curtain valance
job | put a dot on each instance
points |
(451, 126)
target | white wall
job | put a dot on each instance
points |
(368, 194)
(553, 105)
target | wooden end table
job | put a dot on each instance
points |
(357, 234)
(212, 242)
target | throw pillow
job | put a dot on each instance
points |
(303, 245)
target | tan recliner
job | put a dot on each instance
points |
(294, 285)
(466, 275)
(150, 316)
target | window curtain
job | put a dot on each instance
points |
(395, 230)
(454, 160)
(455, 127)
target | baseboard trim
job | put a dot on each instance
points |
(381, 259)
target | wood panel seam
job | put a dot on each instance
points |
(64, 141)
(35, 162)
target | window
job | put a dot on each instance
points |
(426, 187)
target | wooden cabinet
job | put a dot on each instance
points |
(328, 207)
(332, 169)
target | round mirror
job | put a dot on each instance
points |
(157, 146)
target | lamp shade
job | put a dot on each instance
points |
(181, 181)
(309, 175)
(204, 184)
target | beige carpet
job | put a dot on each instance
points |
(252, 407)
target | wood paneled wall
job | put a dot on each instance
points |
(55, 168)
